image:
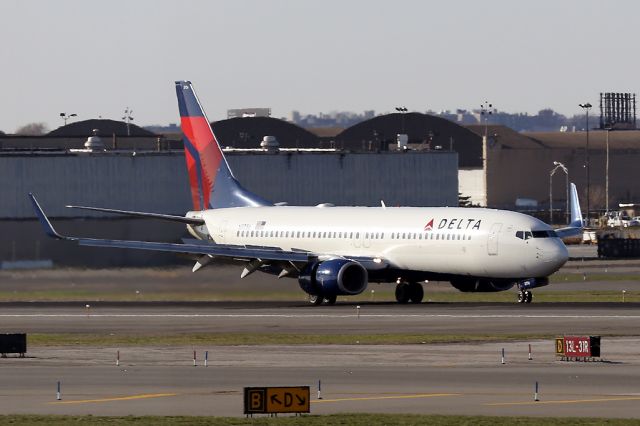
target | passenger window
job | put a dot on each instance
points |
(357, 235)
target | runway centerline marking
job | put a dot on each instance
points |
(337, 316)
(568, 401)
(117, 398)
(378, 398)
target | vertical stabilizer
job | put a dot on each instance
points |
(213, 185)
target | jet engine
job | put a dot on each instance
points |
(469, 285)
(334, 277)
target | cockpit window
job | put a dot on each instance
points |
(524, 235)
(544, 234)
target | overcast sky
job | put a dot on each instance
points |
(95, 58)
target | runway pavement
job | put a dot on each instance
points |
(302, 318)
(461, 378)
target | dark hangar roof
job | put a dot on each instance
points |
(106, 127)
(421, 129)
(247, 132)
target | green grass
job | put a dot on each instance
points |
(563, 277)
(311, 420)
(234, 339)
(539, 296)
(63, 295)
(382, 294)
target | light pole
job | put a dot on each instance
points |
(486, 109)
(558, 165)
(128, 118)
(606, 180)
(586, 107)
(402, 110)
(66, 116)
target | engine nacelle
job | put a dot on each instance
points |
(469, 285)
(335, 277)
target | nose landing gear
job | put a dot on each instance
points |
(525, 296)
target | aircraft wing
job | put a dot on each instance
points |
(203, 248)
(576, 226)
(172, 218)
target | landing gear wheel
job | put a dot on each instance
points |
(403, 293)
(525, 296)
(416, 292)
(315, 300)
(330, 300)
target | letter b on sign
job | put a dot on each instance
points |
(254, 400)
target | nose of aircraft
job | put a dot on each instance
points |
(556, 254)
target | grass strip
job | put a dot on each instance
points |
(381, 295)
(253, 339)
(311, 420)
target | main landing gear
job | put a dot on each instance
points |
(525, 296)
(316, 300)
(409, 292)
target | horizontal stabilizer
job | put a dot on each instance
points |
(172, 218)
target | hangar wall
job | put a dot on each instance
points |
(157, 181)
(524, 173)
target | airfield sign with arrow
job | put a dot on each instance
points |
(270, 400)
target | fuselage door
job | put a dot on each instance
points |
(366, 239)
(222, 228)
(492, 241)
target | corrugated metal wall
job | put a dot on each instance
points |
(158, 181)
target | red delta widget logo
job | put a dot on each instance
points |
(456, 223)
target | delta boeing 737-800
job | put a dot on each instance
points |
(337, 251)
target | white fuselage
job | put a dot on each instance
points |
(458, 241)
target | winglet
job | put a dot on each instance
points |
(576, 213)
(44, 220)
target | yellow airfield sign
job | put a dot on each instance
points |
(270, 400)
